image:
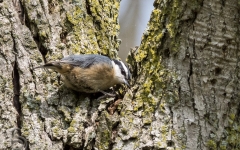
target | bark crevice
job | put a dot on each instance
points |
(35, 29)
(16, 99)
(16, 90)
(16, 86)
(88, 8)
(41, 48)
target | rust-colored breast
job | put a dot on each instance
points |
(89, 80)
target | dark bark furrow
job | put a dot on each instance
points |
(16, 85)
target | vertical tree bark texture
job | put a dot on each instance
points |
(187, 85)
(33, 31)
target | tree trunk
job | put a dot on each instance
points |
(49, 115)
(184, 91)
(187, 78)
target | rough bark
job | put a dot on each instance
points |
(36, 31)
(184, 91)
(187, 93)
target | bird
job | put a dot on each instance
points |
(90, 73)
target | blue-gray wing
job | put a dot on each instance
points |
(86, 61)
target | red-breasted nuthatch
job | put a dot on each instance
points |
(90, 73)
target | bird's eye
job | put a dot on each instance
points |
(123, 72)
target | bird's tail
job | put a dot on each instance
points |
(50, 65)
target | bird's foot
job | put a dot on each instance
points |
(106, 95)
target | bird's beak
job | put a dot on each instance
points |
(126, 82)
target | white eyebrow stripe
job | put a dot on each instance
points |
(116, 69)
(125, 68)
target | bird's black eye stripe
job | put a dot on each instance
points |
(123, 72)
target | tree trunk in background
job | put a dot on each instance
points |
(187, 79)
(49, 115)
(185, 76)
